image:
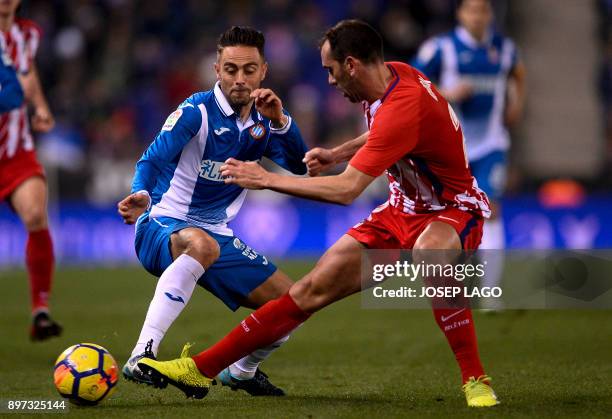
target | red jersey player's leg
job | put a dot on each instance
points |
(29, 200)
(447, 229)
(454, 229)
(336, 275)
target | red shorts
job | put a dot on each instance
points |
(389, 228)
(16, 170)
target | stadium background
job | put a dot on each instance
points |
(114, 69)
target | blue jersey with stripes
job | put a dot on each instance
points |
(180, 169)
(456, 56)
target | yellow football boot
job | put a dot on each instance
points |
(479, 393)
(181, 373)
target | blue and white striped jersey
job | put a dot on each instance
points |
(180, 169)
(457, 56)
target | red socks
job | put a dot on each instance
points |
(266, 325)
(39, 261)
(279, 317)
(458, 326)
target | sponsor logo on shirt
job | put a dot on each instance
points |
(221, 130)
(482, 84)
(427, 85)
(210, 170)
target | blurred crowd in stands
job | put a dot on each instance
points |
(114, 69)
(605, 76)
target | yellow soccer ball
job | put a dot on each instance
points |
(85, 374)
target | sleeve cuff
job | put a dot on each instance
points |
(145, 192)
(281, 130)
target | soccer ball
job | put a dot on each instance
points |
(85, 374)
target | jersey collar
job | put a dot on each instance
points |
(466, 37)
(222, 102)
(225, 107)
(371, 108)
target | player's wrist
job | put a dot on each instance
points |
(146, 193)
(335, 155)
(268, 180)
(280, 123)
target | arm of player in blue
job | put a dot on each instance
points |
(287, 148)
(11, 93)
(167, 146)
(429, 60)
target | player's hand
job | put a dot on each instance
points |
(318, 160)
(42, 120)
(248, 175)
(270, 106)
(132, 207)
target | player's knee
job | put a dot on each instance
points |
(438, 236)
(429, 243)
(34, 219)
(205, 249)
(197, 244)
(437, 247)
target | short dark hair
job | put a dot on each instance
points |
(354, 38)
(242, 35)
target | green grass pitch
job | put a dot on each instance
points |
(344, 362)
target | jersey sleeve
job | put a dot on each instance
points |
(286, 148)
(394, 132)
(31, 34)
(429, 59)
(11, 93)
(180, 127)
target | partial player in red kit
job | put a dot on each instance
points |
(22, 178)
(434, 203)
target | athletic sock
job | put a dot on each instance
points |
(458, 327)
(266, 325)
(173, 291)
(245, 368)
(39, 262)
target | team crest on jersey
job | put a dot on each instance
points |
(171, 120)
(257, 131)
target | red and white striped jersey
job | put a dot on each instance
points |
(20, 44)
(416, 138)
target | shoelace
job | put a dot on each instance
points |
(148, 352)
(185, 351)
(477, 386)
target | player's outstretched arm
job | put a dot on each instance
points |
(321, 159)
(338, 189)
(42, 119)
